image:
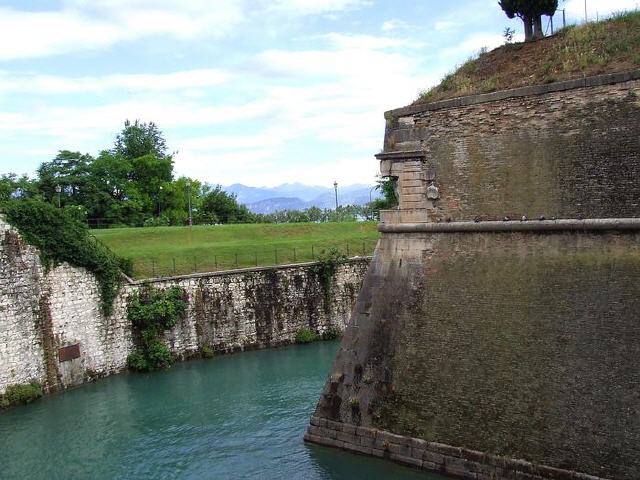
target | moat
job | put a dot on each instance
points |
(236, 416)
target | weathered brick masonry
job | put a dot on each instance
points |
(502, 349)
(41, 313)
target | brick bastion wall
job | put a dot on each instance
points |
(497, 333)
(52, 329)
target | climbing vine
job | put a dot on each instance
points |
(61, 237)
(151, 312)
(325, 269)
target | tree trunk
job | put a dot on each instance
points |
(537, 28)
(528, 29)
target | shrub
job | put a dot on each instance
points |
(61, 237)
(151, 312)
(20, 394)
(160, 221)
(126, 266)
(332, 333)
(207, 352)
(304, 335)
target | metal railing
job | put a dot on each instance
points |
(172, 265)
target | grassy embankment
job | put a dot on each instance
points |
(211, 248)
(608, 46)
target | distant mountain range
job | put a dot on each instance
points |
(296, 196)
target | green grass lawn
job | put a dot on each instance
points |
(163, 251)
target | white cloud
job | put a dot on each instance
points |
(445, 25)
(332, 96)
(575, 8)
(85, 25)
(366, 42)
(472, 45)
(311, 7)
(394, 24)
(50, 84)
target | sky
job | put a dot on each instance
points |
(259, 92)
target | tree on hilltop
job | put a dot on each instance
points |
(530, 12)
(138, 139)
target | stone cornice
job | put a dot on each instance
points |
(599, 224)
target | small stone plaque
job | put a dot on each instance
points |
(71, 352)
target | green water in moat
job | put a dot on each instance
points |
(236, 416)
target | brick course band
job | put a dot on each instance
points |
(595, 81)
(600, 224)
(431, 456)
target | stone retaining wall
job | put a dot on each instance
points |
(52, 329)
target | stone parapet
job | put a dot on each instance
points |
(533, 90)
(563, 150)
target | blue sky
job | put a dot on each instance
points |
(259, 92)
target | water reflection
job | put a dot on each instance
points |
(238, 416)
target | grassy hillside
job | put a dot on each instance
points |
(608, 46)
(209, 248)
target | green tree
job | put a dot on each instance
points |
(530, 12)
(71, 172)
(220, 206)
(141, 151)
(389, 200)
(116, 198)
(138, 139)
(14, 187)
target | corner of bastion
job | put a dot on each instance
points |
(496, 333)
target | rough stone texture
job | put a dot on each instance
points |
(560, 154)
(261, 308)
(433, 456)
(40, 312)
(502, 350)
(523, 345)
(75, 307)
(20, 345)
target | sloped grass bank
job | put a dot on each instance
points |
(608, 46)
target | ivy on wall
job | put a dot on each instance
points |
(61, 237)
(151, 312)
(325, 269)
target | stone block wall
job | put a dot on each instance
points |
(519, 345)
(52, 329)
(21, 352)
(565, 150)
(488, 342)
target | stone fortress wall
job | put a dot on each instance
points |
(497, 333)
(52, 329)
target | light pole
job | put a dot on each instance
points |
(335, 187)
(160, 202)
(586, 18)
(58, 191)
(189, 193)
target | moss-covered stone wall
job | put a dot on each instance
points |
(54, 332)
(565, 154)
(519, 345)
